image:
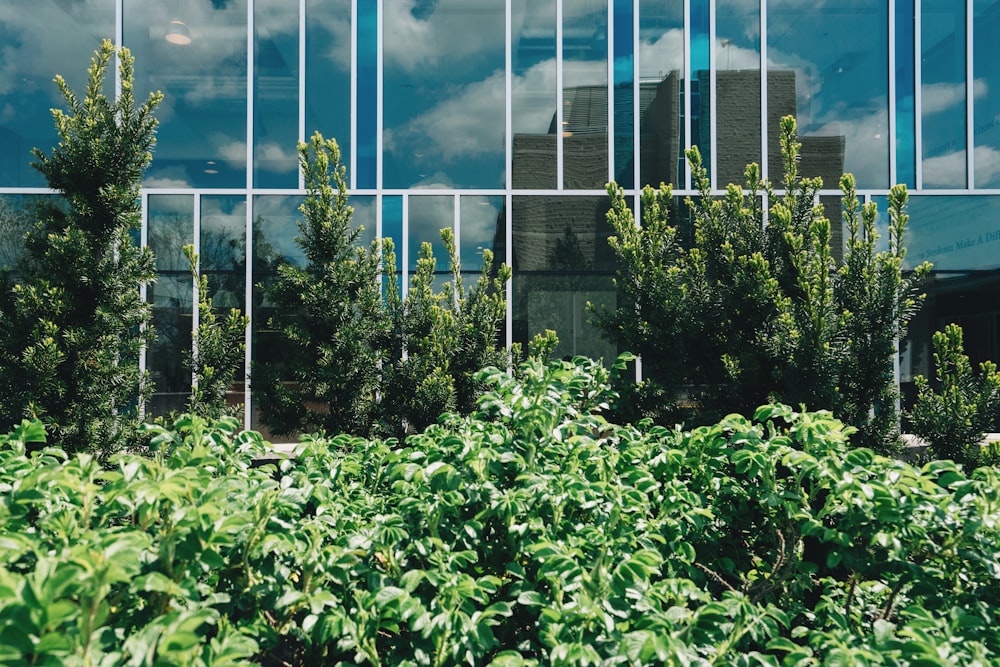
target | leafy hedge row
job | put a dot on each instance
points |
(532, 532)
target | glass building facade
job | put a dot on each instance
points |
(504, 119)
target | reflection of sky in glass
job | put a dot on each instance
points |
(276, 93)
(477, 229)
(624, 107)
(367, 125)
(201, 139)
(839, 55)
(38, 39)
(986, 19)
(906, 151)
(427, 215)
(661, 69)
(943, 92)
(443, 89)
(223, 232)
(392, 225)
(328, 72)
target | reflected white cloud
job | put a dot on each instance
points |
(945, 171)
(866, 145)
(937, 97)
(336, 22)
(279, 157)
(987, 162)
(657, 57)
(234, 152)
(26, 67)
(453, 31)
(470, 123)
(171, 177)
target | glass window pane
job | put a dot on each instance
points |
(828, 65)
(443, 91)
(42, 38)
(367, 111)
(392, 226)
(624, 107)
(943, 94)
(986, 20)
(737, 80)
(275, 228)
(18, 214)
(276, 93)
(170, 226)
(533, 93)
(562, 261)
(954, 233)
(197, 56)
(661, 67)
(906, 160)
(222, 252)
(328, 72)
(480, 224)
(426, 217)
(585, 94)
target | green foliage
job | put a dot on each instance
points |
(440, 340)
(953, 416)
(73, 324)
(361, 360)
(532, 532)
(216, 359)
(754, 308)
(329, 314)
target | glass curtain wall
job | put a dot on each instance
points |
(443, 121)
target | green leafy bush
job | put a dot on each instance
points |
(440, 339)
(953, 414)
(750, 306)
(532, 532)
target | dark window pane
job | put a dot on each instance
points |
(170, 226)
(624, 106)
(562, 261)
